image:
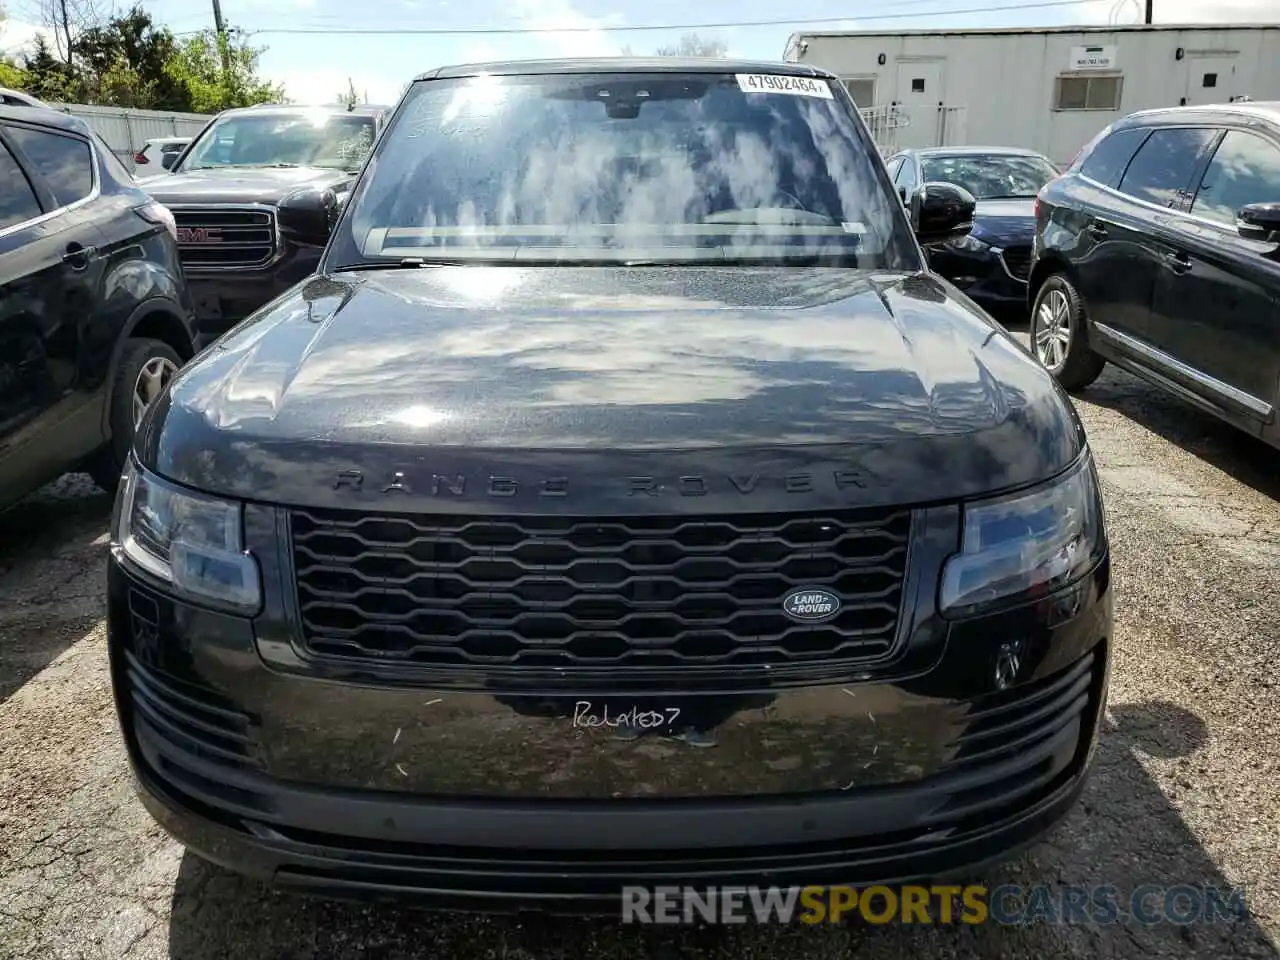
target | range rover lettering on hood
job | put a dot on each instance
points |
(689, 485)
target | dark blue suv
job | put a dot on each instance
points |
(990, 262)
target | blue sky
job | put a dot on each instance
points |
(316, 67)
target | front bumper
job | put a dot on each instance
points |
(225, 297)
(985, 278)
(258, 770)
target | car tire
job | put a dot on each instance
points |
(1058, 338)
(145, 365)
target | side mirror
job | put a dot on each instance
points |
(1258, 221)
(168, 160)
(941, 212)
(307, 217)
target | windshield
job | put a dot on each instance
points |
(625, 168)
(992, 176)
(311, 139)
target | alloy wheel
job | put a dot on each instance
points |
(1053, 329)
(152, 378)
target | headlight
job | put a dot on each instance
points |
(969, 244)
(1028, 544)
(192, 541)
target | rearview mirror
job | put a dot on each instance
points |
(1258, 221)
(941, 212)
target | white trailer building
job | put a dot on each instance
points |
(1048, 89)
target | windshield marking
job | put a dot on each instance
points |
(790, 85)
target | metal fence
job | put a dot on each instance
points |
(126, 130)
(898, 126)
(892, 127)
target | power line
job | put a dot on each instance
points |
(611, 28)
(319, 19)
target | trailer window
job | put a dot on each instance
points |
(1088, 93)
(862, 90)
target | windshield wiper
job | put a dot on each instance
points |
(407, 263)
(239, 166)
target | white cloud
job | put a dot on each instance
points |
(18, 36)
(570, 33)
(479, 51)
(323, 85)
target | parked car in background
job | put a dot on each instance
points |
(621, 451)
(94, 316)
(255, 196)
(16, 98)
(1159, 250)
(158, 154)
(991, 262)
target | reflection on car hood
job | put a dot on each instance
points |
(483, 364)
(240, 184)
(1005, 222)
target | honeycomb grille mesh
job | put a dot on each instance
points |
(565, 592)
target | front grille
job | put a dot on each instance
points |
(1017, 260)
(564, 593)
(221, 238)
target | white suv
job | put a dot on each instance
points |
(159, 152)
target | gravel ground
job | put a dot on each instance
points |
(1186, 790)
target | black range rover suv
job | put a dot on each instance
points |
(622, 502)
(255, 195)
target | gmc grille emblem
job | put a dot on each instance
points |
(199, 235)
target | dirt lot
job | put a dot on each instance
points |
(1186, 791)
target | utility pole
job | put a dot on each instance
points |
(222, 41)
(1150, 10)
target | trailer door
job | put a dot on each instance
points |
(919, 96)
(1210, 80)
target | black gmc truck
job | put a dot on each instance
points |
(255, 195)
(623, 502)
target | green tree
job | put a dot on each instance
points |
(125, 62)
(350, 97)
(11, 75)
(198, 65)
(692, 45)
(48, 77)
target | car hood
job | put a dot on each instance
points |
(481, 384)
(1005, 222)
(241, 184)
